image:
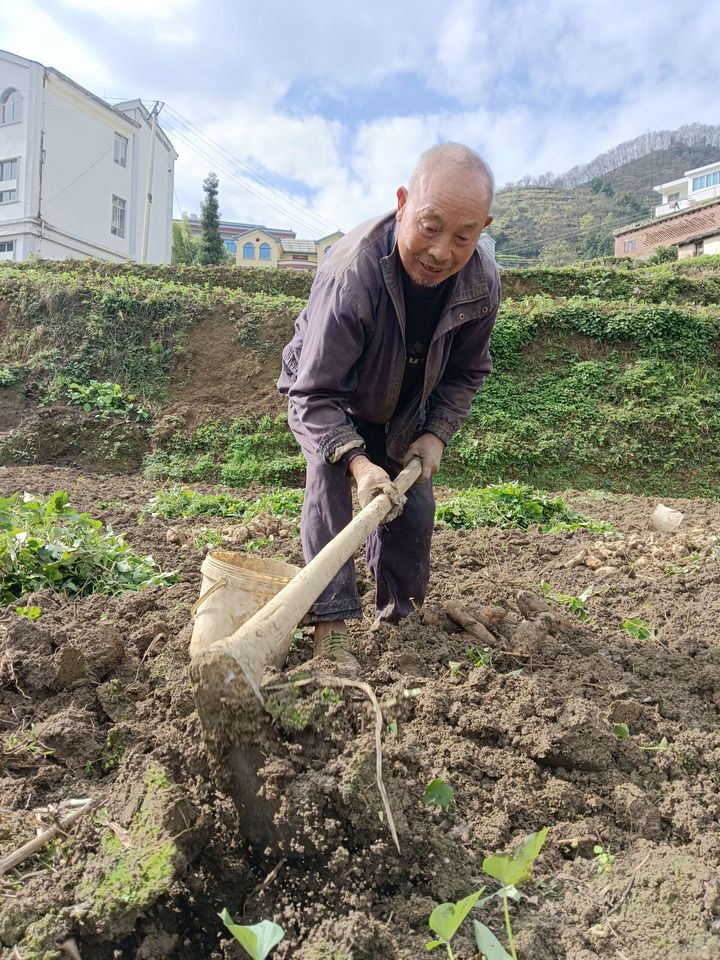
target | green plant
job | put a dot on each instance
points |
(479, 656)
(512, 870)
(576, 605)
(109, 398)
(603, 858)
(438, 792)
(621, 731)
(661, 747)
(447, 918)
(512, 504)
(8, 377)
(257, 940)
(207, 538)
(638, 629)
(44, 542)
(29, 613)
(25, 742)
(178, 502)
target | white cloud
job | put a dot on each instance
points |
(35, 35)
(116, 10)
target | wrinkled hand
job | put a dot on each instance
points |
(429, 450)
(372, 480)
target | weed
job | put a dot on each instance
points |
(108, 398)
(622, 731)
(8, 377)
(575, 605)
(447, 918)
(662, 747)
(25, 743)
(207, 538)
(29, 613)
(439, 793)
(603, 858)
(480, 656)
(257, 940)
(253, 546)
(46, 543)
(638, 629)
(510, 505)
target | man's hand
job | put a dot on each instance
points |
(429, 450)
(372, 480)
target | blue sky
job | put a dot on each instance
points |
(313, 114)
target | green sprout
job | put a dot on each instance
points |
(511, 869)
(604, 858)
(638, 629)
(576, 605)
(621, 731)
(29, 613)
(257, 940)
(438, 792)
(479, 656)
(447, 918)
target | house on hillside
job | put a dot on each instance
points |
(688, 218)
(230, 230)
(258, 248)
(74, 171)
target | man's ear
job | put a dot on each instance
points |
(488, 221)
(402, 196)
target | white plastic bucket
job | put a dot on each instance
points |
(234, 587)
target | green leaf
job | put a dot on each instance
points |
(512, 869)
(437, 791)
(488, 944)
(259, 939)
(431, 944)
(621, 731)
(447, 917)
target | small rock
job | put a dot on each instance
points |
(530, 604)
(606, 571)
(173, 535)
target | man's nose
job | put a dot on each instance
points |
(439, 249)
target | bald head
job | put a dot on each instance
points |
(443, 212)
(448, 155)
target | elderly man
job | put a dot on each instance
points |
(385, 362)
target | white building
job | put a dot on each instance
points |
(73, 171)
(697, 186)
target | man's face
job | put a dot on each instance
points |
(440, 222)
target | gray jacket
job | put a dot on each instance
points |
(347, 358)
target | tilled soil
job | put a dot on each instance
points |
(96, 703)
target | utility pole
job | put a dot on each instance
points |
(148, 195)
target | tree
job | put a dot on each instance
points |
(212, 249)
(184, 244)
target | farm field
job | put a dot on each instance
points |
(564, 673)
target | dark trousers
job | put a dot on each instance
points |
(397, 553)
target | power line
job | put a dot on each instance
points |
(249, 171)
(221, 165)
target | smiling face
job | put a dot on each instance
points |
(440, 221)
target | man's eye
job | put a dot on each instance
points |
(464, 239)
(428, 228)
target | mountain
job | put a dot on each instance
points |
(571, 217)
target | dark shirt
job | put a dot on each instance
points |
(423, 307)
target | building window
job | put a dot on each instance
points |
(10, 106)
(709, 180)
(8, 169)
(7, 246)
(673, 197)
(264, 251)
(628, 246)
(231, 246)
(117, 225)
(248, 251)
(7, 196)
(120, 150)
(698, 248)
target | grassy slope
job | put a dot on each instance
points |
(604, 377)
